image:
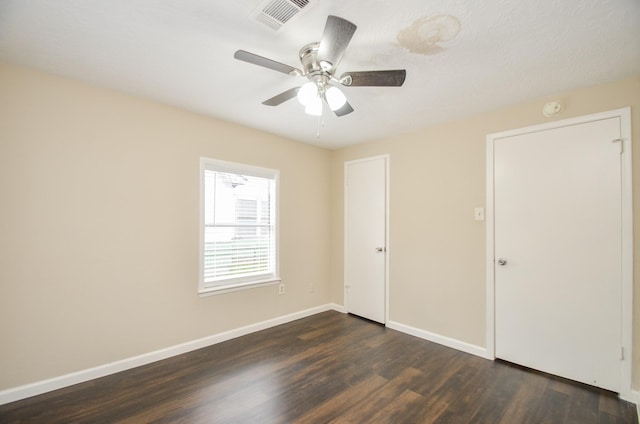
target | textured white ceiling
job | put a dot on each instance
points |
(462, 57)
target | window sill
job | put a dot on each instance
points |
(213, 291)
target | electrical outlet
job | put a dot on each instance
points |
(281, 289)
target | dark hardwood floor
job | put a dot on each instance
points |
(326, 368)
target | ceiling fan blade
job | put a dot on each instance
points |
(389, 78)
(282, 97)
(344, 110)
(335, 39)
(266, 63)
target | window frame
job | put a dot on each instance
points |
(242, 283)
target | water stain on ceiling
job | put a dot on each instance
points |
(181, 53)
(425, 34)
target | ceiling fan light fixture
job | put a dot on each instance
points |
(319, 61)
(335, 98)
(314, 107)
(308, 93)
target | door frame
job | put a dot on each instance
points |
(387, 159)
(627, 235)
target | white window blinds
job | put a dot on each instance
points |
(239, 225)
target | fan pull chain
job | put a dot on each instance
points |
(320, 125)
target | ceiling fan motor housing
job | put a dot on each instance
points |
(309, 60)
(312, 68)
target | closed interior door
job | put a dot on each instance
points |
(558, 251)
(365, 237)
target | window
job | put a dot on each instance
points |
(238, 246)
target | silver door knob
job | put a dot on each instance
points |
(502, 262)
(380, 249)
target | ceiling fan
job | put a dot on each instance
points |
(319, 62)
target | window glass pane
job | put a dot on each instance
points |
(209, 185)
(237, 196)
(265, 212)
(238, 235)
(247, 213)
(226, 255)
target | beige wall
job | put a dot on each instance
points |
(99, 226)
(437, 250)
(99, 222)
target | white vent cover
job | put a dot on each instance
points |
(276, 13)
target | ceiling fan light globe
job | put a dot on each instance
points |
(335, 98)
(307, 93)
(314, 108)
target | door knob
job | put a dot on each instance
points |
(502, 262)
(380, 249)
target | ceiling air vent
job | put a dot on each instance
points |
(276, 13)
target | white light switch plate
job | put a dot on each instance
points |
(478, 214)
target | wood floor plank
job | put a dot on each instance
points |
(409, 407)
(329, 367)
(364, 411)
(336, 406)
(523, 405)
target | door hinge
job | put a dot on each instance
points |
(619, 140)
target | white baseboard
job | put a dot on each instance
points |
(633, 396)
(630, 396)
(39, 387)
(338, 308)
(443, 340)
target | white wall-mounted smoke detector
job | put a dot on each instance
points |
(551, 108)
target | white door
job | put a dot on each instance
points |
(365, 255)
(558, 279)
